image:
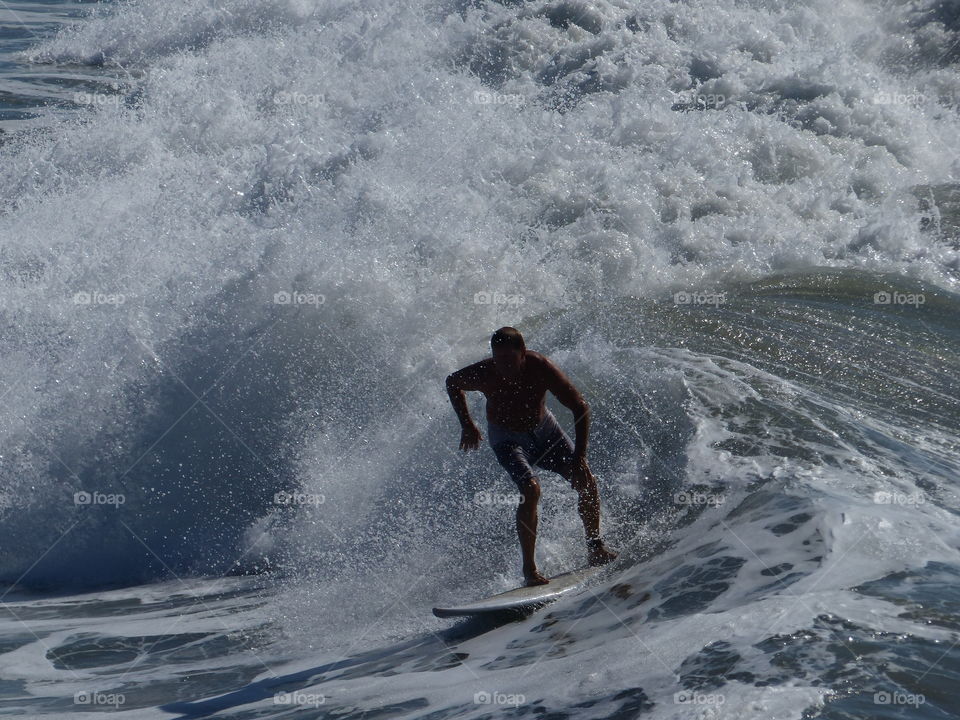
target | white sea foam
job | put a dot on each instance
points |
(248, 279)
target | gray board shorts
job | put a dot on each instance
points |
(546, 446)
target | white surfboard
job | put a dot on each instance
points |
(522, 598)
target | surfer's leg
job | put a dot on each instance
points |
(588, 501)
(589, 507)
(514, 460)
(527, 530)
(555, 453)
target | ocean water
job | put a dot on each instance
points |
(33, 93)
(242, 244)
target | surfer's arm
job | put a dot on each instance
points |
(568, 395)
(469, 378)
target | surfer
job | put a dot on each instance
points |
(523, 432)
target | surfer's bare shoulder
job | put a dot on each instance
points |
(473, 377)
(540, 364)
(554, 379)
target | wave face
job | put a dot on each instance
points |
(230, 297)
(415, 176)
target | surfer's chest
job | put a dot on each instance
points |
(521, 393)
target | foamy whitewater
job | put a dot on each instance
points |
(235, 276)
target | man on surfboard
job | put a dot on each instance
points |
(523, 433)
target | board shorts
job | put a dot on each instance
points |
(546, 446)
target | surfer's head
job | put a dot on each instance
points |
(508, 351)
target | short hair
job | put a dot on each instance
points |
(508, 337)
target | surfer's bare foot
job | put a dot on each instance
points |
(534, 578)
(599, 554)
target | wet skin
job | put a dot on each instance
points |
(515, 384)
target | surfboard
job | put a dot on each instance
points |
(522, 598)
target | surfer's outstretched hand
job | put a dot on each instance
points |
(470, 438)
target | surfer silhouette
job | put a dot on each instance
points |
(523, 432)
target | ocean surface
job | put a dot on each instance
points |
(243, 243)
(33, 93)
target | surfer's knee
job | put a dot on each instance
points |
(530, 491)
